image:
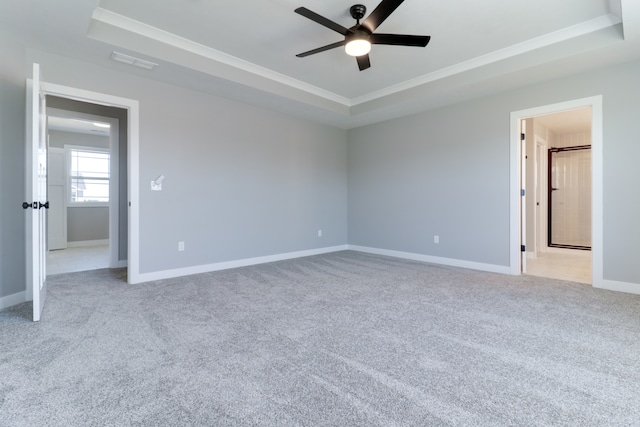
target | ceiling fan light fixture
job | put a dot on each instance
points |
(359, 38)
(358, 47)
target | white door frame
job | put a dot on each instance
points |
(595, 102)
(133, 162)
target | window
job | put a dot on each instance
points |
(88, 176)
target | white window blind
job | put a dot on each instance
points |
(89, 176)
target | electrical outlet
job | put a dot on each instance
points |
(319, 233)
(436, 239)
(180, 246)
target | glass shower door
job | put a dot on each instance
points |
(570, 197)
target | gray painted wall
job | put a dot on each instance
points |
(87, 223)
(12, 163)
(60, 139)
(241, 182)
(442, 173)
(446, 172)
(84, 223)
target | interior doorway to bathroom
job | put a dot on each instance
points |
(558, 198)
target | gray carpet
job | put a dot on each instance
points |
(344, 339)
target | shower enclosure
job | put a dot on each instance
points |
(569, 197)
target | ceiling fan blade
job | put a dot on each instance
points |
(321, 49)
(322, 20)
(380, 13)
(363, 62)
(400, 39)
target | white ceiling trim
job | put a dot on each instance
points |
(154, 33)
(630, 10)
(558, 36)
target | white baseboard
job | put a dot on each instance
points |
(434, 260)
(81, 243)
(13, 299)
(612, 285)
(187, 271)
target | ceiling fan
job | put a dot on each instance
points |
(359, 38)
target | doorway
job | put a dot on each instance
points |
(82, 190)
(532, 192)
(558, 195)
(89, 142)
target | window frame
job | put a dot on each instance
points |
(68, 176)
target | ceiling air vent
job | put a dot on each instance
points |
(132, 60)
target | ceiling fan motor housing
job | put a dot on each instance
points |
(358, 11)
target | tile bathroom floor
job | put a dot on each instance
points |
(566, 264)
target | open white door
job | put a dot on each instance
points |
(523, 199)
(36, 204)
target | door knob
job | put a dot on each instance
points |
(42, 205)
(26, 205)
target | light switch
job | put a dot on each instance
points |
(157, 184)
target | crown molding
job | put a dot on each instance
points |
(153, 33)
(558, 36)
(122, 22)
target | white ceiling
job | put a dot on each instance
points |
(568, 121)
(245, 49)
(74, 125)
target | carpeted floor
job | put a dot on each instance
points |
(344, 339)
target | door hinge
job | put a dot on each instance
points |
(522, 248)
(522, 192)
(521, 136)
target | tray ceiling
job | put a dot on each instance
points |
(246, 49)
